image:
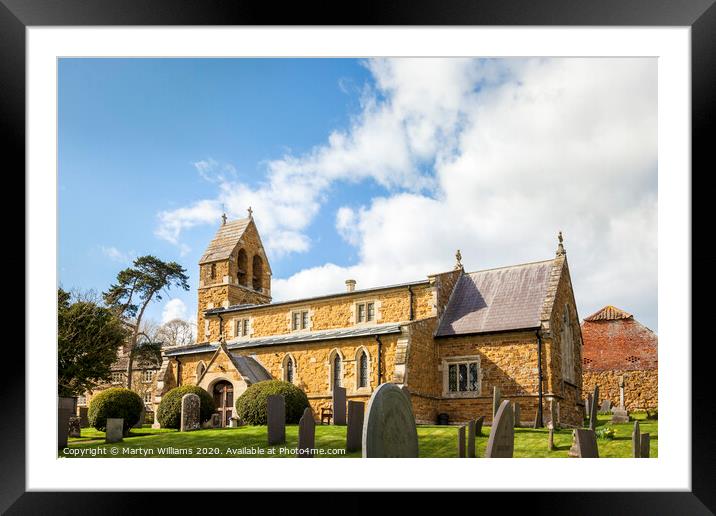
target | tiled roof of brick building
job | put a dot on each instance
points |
(508, 298)
(609, 313)
(225, 240)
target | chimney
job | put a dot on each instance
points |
(350, 285)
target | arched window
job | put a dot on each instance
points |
(212, 271)
(242, 263)
(257, 272)
(289, 368)
(337, 371)
(200, 368)
(363, 370)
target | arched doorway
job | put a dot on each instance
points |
(224, 400)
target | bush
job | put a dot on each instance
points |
(606, 432)
(113, 403)
(251, 405)
(169, 411)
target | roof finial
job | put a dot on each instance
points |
(223, 219)
(251, 213)
(458, 260)
(560, 247)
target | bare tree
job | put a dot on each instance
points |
(176, 332)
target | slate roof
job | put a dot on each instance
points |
(250, 368)
(508, 298)
(292, 338)
(226, 238)
(609, 313)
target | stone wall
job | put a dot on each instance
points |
(641, 387)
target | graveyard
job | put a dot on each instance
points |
(433, 441)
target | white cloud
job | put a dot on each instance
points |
(116, 255)
(489, 156)
(175, 308)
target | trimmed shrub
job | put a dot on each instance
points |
(169, 411)
(251, 405)
(112, 403)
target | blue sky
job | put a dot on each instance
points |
(375, 169)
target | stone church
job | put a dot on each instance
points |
(450, 337)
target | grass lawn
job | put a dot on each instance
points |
(434, 441)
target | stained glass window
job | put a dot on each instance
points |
(363, 378)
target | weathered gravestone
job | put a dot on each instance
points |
(68, 402)
(636, 441)
(554, 414)
(471, 439)
(550, 442)
(620, 415)
(645, 442)
(306, 434)
(339, 405)
(389, 428)
(517, 414)
(593, 409)
(276, 419)
(588, 407)
(584, 444)
(606, 407)
(63, 424)
(501, 442)
(354, 432)
(478, 425)
(115, 430)
(142, 415)
(461, 441)
(84, 420)
(74, 427)
(216, 420)
(496, 399)
(190, 405)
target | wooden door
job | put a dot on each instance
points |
(224, 401)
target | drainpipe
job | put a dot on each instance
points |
(221, 327)
(410, 290)
(377, 340)
(539, 422)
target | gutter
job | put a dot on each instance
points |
(539, 421)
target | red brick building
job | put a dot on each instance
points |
(617, 345)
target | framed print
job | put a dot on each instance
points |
(382, 244)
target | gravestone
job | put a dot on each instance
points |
(84, 420)
(550, 442)
(585, 444)
(516, 410)
(307, 433)
(478, 425)
(461, 442)
(636, 441)
(554, 413)
(389, 428)
(620, 415)
(354, 432)
(593, 409)
(496, 399)
(621, 391)
(216, 420)
(190, 405)
(74, 427)
(115, 430)
(68, 402)
(645, 442)
(140, 421)
(606, 407)
(471, 439)
(339, 405)
(501, 442)
(63, 425)
(588, 407)
(276, 419)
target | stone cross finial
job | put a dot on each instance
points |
(458, 258)
(560, 247)
(251, 212)
(223, 219)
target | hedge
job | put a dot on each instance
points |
(251, 405)
(115, 402)
(169, 411)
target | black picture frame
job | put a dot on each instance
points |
(699, 15)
